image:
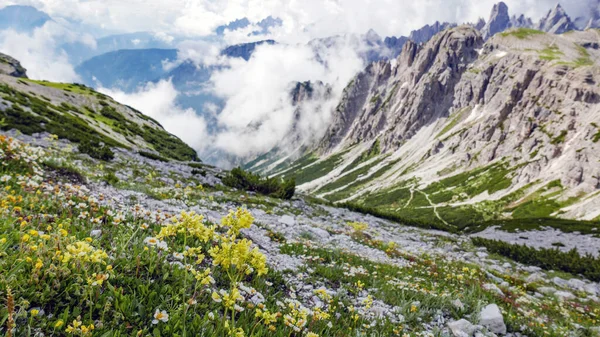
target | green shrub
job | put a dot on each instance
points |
(153, 156)
(110, 178)
(240, 179)
(96, 150)
(570, 262)
(395, 217)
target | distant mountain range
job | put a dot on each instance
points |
(22, 18)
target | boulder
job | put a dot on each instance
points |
(461, 328)
(491, 318)
(287, 220)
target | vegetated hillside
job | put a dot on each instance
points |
(79, 114)
(460, 131)
(142, 247)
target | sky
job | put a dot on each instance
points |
(258, 112)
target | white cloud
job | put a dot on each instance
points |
(259, 114)
(38, 53)
(157, 100)
(316, 18)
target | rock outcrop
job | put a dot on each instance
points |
(499, 21)
(426, 32)
(10, 66)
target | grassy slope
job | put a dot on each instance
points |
(30, 113)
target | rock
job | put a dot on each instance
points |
(491, 318)
(461, 328)
(547, 290)
(535, 277)
(481, 255)
(576, 284)
(532, 269)
(287, 220)
(564, 295)
(11, 67)
(458, 304)
(592, 289)
(493, 288)
(96, 233)
(320, 233)
(560, 282)
(507, 265)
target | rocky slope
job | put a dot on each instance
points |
(359, 273)
(467, 131)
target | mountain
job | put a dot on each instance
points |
(498, 22)
(126, 69)
(463, 131)
(79, 114)
(264, 26)
(22, 18)
(426, 32)
(556, 21)
(244, 50)
(79, 52)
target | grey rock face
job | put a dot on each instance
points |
(556, 21)
(521, 22)
(491, 318)
(499, 21)
(426, 32)
(10, 66)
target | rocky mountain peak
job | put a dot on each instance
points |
(426, 32)
(521, 21)
(556, 21)
(498, 22)
(11, 67)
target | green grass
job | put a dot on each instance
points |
(550, 259)
(522, 33)
(316, 169)
(458, 116)
(70, 87)
(66, 121)
(551, 53)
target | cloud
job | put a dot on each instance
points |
(314, 18)
(157, 100)
(259, 113)
(37, 51)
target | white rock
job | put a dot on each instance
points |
(576, 284)
(461, 328)
(560, 282)
(535, 277)
(287, 220)
(592, 289)
(96, 233)
(493, 288)
(481, 255)
(564, 295)
(547, 290)
(458, 304)
(491, 318)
